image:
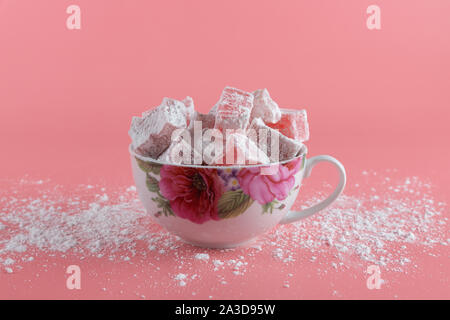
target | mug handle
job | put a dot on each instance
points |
(292, 216)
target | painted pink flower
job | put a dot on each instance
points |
(266, 188)
(193, 192)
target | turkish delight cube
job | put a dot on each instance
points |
(151, 134)
(276, 145)
(293, 124)
(264, 107)
(233, 109)
(240, 150)
(207, 120)
(231, 118)
(181, 150)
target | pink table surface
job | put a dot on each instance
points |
(377, 100)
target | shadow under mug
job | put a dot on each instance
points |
(226, 206)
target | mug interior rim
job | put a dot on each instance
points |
(303, 152)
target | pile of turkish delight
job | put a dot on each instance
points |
(241, 128)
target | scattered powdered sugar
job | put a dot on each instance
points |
(380, 225)
(217, 264)
(365, 227)
(180, 278)
(202, 256)
(52, 221)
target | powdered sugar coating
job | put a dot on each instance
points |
(151, 134)
(231, 118)
(181, 150)
(264, 107)
(207, 120)
(235, 149)
(233, 109)
(236, 110)
(293, 124)
(273, 142)
(242, 150)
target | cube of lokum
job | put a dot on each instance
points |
(232, 95)
(272, 142)
(231, 118)
(236, 149)
(239, 149)
(293, 124)
(233, 109)
(188, 109)
(207, 120)
(151, 134)
(264, 107)
(236, 97)
(181, 149)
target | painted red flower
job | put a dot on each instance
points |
(193, 192)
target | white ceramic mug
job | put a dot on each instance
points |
(224, 207)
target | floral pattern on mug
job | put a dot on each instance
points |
(229, 177)
(204, 194)
(193, 192)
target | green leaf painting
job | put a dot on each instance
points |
(148, 166)
(153, 186)
(164, 205)
(152, 183)
(270, 206)
(233, 203)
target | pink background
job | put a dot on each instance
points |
(376, 99)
